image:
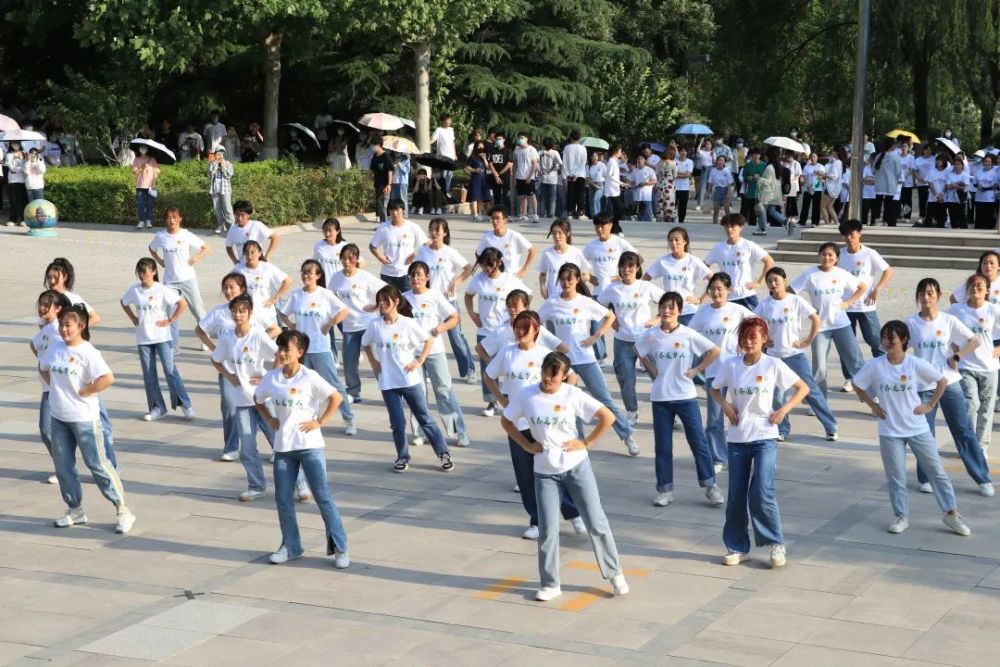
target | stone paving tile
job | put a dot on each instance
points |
(816, 656)
(733, 649)
(10, 651)
(863, 637)
(147, 642)
(902, 604)
(233, 651)
(39, 628)
(210, 617)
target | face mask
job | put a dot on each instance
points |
(14, 146)
(739, 144)
(521, 141)
(340, 130)
(143, 150)
(947, 134)
(500, 142)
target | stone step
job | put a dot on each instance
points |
(899, 260)
(911, 236)
(886, 248)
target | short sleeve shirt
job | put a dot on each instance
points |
(397, 244)
(445, 263)
(826, 290)
(751, 389)
(491, 295)
(429, 310)
(296, 400)
(551, 418)
(932, 341)
(553, 260)
(673, 353)
(328, 257)
(784, 322)
(738, 261)
(248, 357)
(633, 306)
(69, 369)
(984, 323)
(46, 336)
(237, 236)
(176, 251)
(684, 276)
(356, 291)
(310, 311)
(571, 320)
(503, 336)
(720, 326)
(513, 246)
(603, 257)
(897, 387)
(865, 265)
(151, 306)
(514, 369)
(395, 346)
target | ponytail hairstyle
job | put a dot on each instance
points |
(524, 320)
(334, 223)
(63, 266)
(78, 311)
(321, 281)
(252, 244)
(563, 224)
(442, 224)
(147, 264)
(491, 257)
(392, 293)
(569, 268)
(350, 249)
(420, 265)
(53, 299)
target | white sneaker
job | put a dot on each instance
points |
(714, 495)
(188, 412)
(281, 556)
(530, 533)
(141, 224)
(228, 457)
(303, 495)
(987, 490)
(350, 428)
(72, 517)
(52, 479)
(418, 441)
(986, 451)
(125, 521)
(578, 526)
(733, 558)
(149, 224)
(832, 437)
(777, 557)
(534, 218)
(341, 560)
(663, 499)
(463, 440)
(632, 417)
(618, 585)
(516, 488)
(780, 438)
(219, 230)
(926, 488)
(718, 467)
(472, 377)
(9, 223)
(249, 495)
(548, 593)
(847, 387)
(153, 415)
(900, 524)
(957, 524)
(491, 410)
(632, 446)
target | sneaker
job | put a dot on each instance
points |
(663, 499)
(400, 465)
(781, 438)
(986, 452)
(491, 410)
(472, 377)
(153, 415)
(219, 230)
(22, 224)
(534, 218)
(926, 488)
(618, 585)
(140, 225)
(250, 494)
(714, 495)
(777, 557)
(632, 417)
(548, 593)
(350, 428)
(52, 479)
(632, 446)
(204, 348)
(446, 464)
(125, 521)
(757, 232)
(810, 412)
(718, 467)
(188, 412)
(341, 560)
(530, 533)
(516, 488)
(463, 440)
(578, 526)
(281, 556)
(900, 524)
(228, 457)
(604, 363)
(987, 490)
(847, 387)
(733, 558)
(303, 495)
(832, 437)
(957, 524)
(149, 224)
(9, 223)
(418, 441)
(356, 400)
(72, 517)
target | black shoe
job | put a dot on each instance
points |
(446, 463)
(400, 465)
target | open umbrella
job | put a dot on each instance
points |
(408, 123)
(655, 147)
(162, 154)
(399, 144)
(949, 144)
(7, 123)
(436, 161)
(21, 135)
(594, 142)
(694, 128)
(306, 131)
(785, 143)
(895, 134)
(381, 121)
(350, 125)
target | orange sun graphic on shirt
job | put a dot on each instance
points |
(557, 408)
(395, 336)
(531, 364)
(684, 268)
(423, 305)
(576, 311)
(834, 281)
(759, 379)
(938, 333)
(725, 320)
(354, 287)
(71, 360)
(786, 310)
(738, 253)
(857, 263)
(312, 305)
(293, 391)
(246, 349)
(150, 299)
(498, 290)
(982, 320)
(677, 345)
(440, 260)
(635, 296)
(904, 378)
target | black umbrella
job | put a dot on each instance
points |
(162, 154)
(436, 161)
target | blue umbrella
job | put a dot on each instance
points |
(655, 147)
(694, 128)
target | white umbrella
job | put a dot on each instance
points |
(399, 144)
(408, 123)
(22, 135)
(350, 125)
(381, 121)
(785, 143)
(949, 144)
(304, 130)
(7, 124)
(162, 154)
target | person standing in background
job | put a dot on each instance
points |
(682, 186)
(381, 168)
(574, 157)
(214, 132)
(444, 137)
(220, 189)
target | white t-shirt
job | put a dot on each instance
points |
(986, 183)
(445, 263)
(310, 312)
(445, 142)
(249, 357)
(684, 276)
(834, 172)
(491, 295)
(219, 320)
(514, 369)
(634, 306)
(45, 338)
(296, 400)
(151, 306)
(513, 246)
(552, 261)
(811, 174)
(357, 292)
(954, 178)
(639, 176)
(673, 354)
(524, 158)
(329, 257)
(720, 178)
(826, 290)
(255, 230)
(612, 178)
(864, 265)
(923, 166)
(705, 159)
(396, 345)
(429, 310)
(263, 283)
(897, 388)
(738, 261)
(398, 243)
(993, 296)
(503, 336)
(684, 167)
(908, 164)
(784, 322)
(176, 251)
(868, 189)
(751, 390)
(603, 257)
(931, 340)
(69, 369)
(596, 174)
(984, 323)
(571, 320)
(551, 418)
(720, 326)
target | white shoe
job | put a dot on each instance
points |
(149, 224)
(516, 488)
(249, 495)
(663, 499)
(957, 524)
(472, 377)
(153, 415)
(900, 524)
(491, 410)
(832, 437)
(341, 560)
(52, 479)
(534, 218)
(228, 457)
(718, 467)
(926, 488)
(987, 490)
(714, 495)
(418, 441)
(810, 412)
(530, 533)
(632, 417)
(281, 556)
(463, 440)
(777, 557)
(141, 224)
(72, 517)
(188, 412)
(578, 526)
(350, 428)
(219, 230)
(548, 593)
(847, 387)
(618, 585)
(125, 521)
(733, 558)
(632, 446)
(9, 223)
(986, 452)
(780, 438)
(303, 494)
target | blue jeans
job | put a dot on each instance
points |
(645, 211)
(956, 416)
(399, 191)
(751, 484)
(748, 302)
(416, 400)
(893, 452)
(248, 420)
(459, 345)
(771, 212)
(600, 347)
(36, 194)
(524, 475)
(402, 283)
(815, 399)
(230, 429)
(323, 363)
(175, 385)
(624, 365)
(352, 356)
(67, 437)
(446, 177)
(487, 396)
(596, 201)
(107, 433)
(715, 428)
(593, 379)
(45, 427)
(847, 349)
(547, 201)
(581, 486)
(663, 434)
(703, 188)
(143, 204)
(448, 407)
(870, 332)
(288, 468)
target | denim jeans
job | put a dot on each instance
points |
(487, 395)
(107, 432)
(381, 200)
(45, 421)
(248, 420)
(352, 356)
(814, 399)
(980, 389)
(88, 437)
(751, 485)
(322, 363)
(596, 201)
(288, 468)
(446, 182)
(192, 294)
(143, 204)
(893, 452)
(847, 349)
(448, 407)
(524, 475)
(770, 212)
(459, 345)
(624, 365)
(36, 194)
(402, 283)
(600, 347)
(956, 416)
(581, 486)
(870, 332)
(715, 426)
(689, 413)
(154, 396)
(416, 400)
(748, 302)
(230, 428)
(547, 201)
(400, 191)
(703, 188)
(593, 379)
(645, 211)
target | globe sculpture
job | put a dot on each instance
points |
(41, 216)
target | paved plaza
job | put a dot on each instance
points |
(440, 575)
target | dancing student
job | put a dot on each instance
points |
(303, 402)
(435, 314)
(326, 251)
(314, 310)
(517, 302)
(603, 254)
(896, 378)
(171, 248)
(50, 303)
(551, 408)
(736, 257)
(514, 367)
(668, 352)
(76, 372)
(744, 387)
(681, 272)
(571, 313)
(718, 320)
(989, 267)
(396, 347)
(245, 230)
(449, 269)
(943, 341)
(216, 322)
(630, 300)
(265, 281)
(484, 302)
(394, 245)
(562, 252)
(157, 308)
(516, 251)
(784, 312)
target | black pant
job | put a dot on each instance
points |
(682, 204)
(956, 213)
(887, 207)
(18, 196)
(576, 196)
(935, 213)
(811, 200)
(792, 206)
(986, 215)
(617, 207)
(922, 200)
(868, 211)
(906, 199)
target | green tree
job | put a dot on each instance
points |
(974, 44)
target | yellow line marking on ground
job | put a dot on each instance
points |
(592, 567)
(584, 599)
(496, 590)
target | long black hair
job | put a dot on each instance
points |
(392, 293)
(571, 268)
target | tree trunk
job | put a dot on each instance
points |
(921, 70)
(272, 86)
(422, 54)
(987, 111)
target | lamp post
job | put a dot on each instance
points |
(858, 120)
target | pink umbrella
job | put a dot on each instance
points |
(381, 121)
(7, 123)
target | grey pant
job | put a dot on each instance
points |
(436, 368)
(893, 452)
(980, 389)
(223, 206)
(580, 484)
(192, 294)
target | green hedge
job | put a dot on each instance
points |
(281, 192)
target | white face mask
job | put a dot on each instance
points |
(499, 142)
(143, 150)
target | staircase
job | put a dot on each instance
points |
(908, 247)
